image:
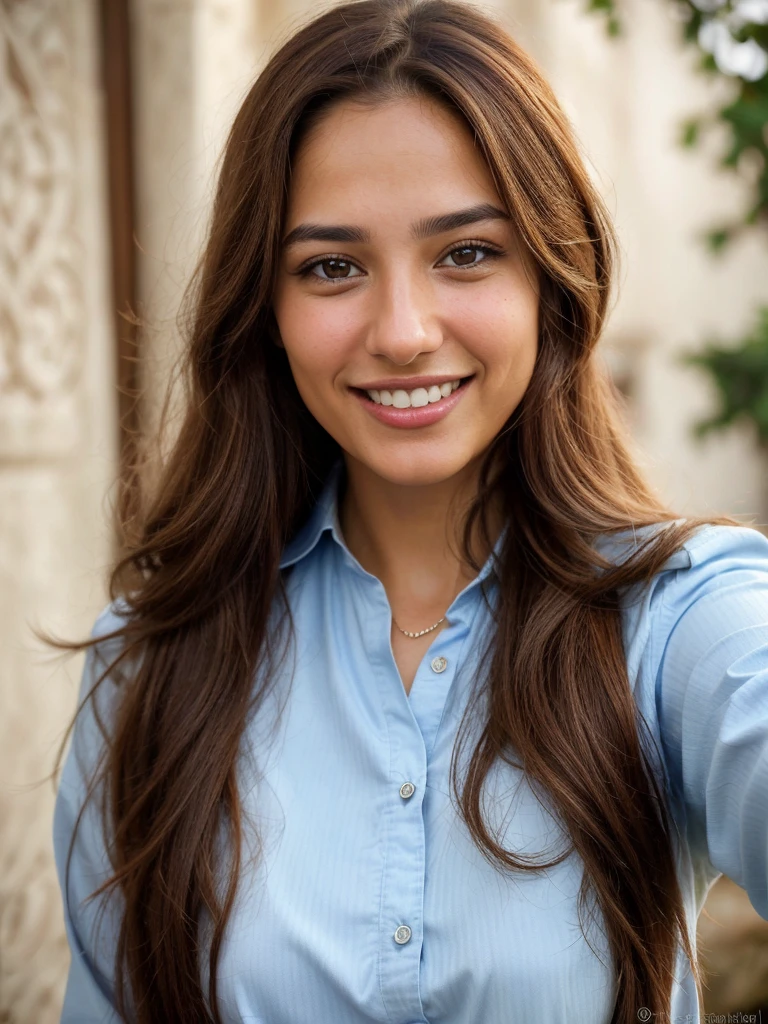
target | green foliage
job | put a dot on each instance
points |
(744, 116)
(739, 371)
(607, 8)
(690, 131)
(741, 378)
(718, 238)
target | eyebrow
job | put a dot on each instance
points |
(425, 228)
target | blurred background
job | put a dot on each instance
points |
(112, 115)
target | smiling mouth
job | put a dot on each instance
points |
(416, 398)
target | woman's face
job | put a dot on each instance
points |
(400, 276)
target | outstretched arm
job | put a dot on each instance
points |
(712, 700)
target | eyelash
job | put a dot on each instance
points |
(490, 253)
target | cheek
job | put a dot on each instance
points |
(502, 332)
(316, 343)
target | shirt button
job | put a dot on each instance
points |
(439, 664)
(407, 789)
(402, 934)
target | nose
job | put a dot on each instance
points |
(404, 321)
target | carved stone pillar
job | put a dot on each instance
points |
(193, 62)
(58, 435)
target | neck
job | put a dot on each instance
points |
(410, 538)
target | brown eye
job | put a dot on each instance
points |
(465, 256)
(333, 269)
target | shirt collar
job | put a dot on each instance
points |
(620, 545)
(325, 516)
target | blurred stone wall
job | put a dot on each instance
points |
(627, 99)
(57, 450)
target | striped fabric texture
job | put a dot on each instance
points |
(368, 903)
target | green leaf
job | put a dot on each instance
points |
(690, 131)
(747, 115)
(740, 375)
(752, 215)
(607, 8)
(718, 239)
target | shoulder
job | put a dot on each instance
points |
(106, 632)
(703, 611)
(709, 578)
(97, 703)
(707, 543)
(706, 553)
(726, 545)
(711, 600)
(111, 618)
(714, 559)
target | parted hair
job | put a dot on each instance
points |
(200, 576)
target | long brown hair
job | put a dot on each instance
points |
(201, 576)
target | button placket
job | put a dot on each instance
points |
(403, 878)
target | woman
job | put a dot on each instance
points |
(420, 706)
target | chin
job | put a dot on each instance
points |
(412, 469)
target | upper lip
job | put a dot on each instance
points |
(409, 383)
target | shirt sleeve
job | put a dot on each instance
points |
(712, 702)
(91, 927)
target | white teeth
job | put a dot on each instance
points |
(417, 398)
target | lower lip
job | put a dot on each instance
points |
(410, 418)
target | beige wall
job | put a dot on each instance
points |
(193, 61)
(627, 99)
(57, 451)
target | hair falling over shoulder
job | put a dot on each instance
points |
(200, 577)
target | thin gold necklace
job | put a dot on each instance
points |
(415, 636)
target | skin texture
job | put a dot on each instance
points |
(402, 306)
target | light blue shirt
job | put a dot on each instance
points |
(368, 901)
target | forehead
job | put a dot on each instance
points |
(397, 155)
